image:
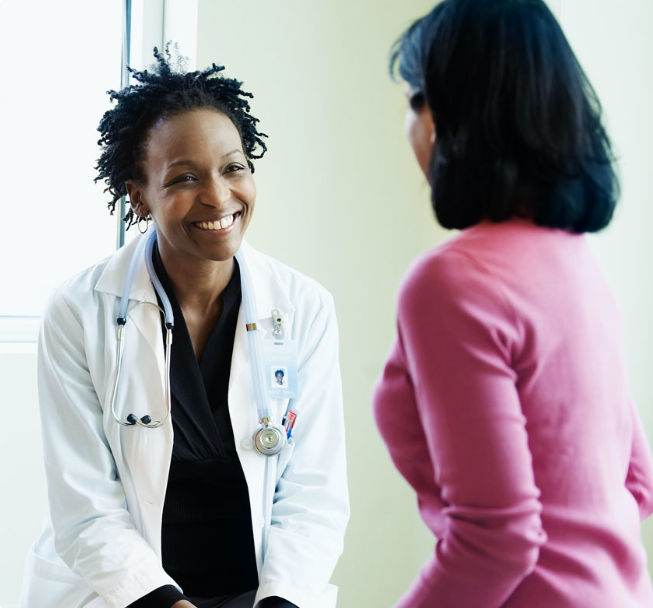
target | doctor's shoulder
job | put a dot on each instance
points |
(76, 296)
(305, 293)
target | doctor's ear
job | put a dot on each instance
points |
(136, 199)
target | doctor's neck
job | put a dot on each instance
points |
(198, 283)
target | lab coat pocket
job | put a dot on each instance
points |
(284, 457)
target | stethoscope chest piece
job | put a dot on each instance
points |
(269, 440)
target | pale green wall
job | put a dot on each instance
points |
(613, 41)
(341, 199)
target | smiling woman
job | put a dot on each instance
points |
(140, 509)
(200, 193)
(214, 168)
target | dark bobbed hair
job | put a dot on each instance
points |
(518, 125)
(163, 92)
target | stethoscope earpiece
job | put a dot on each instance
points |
(144, 421)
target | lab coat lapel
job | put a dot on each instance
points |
(146, 452)
(143, 313)
(240, 354)
(113, 277)
(270, 294)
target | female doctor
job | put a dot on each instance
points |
(180, 476)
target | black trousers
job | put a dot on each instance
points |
(244, 600)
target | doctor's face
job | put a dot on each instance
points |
(198, 186)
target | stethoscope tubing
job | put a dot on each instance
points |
(163, 296)
(145, 248)
(253, 338)
(129, 279)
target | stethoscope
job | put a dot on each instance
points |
(270, 438)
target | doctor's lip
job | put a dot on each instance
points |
(221, 223)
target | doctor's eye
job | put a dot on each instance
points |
(234, 168)
(186, 178)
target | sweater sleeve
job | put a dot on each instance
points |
(640, 469)
(465, 433)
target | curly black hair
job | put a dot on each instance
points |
(162, 92)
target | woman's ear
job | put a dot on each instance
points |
(137, 199)
(430, 124)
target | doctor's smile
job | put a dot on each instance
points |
(219, 224)
(207, 188)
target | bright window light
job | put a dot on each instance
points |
(59, 59)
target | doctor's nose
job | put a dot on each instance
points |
(217, 192)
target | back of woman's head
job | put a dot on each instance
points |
(518, 125)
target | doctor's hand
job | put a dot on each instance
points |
(183, 604)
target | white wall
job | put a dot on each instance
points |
(22, 482)
(341, 199)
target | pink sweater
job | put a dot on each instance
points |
(504, 403)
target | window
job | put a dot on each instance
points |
(64, 56)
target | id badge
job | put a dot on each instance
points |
(281, 368)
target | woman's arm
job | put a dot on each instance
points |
(93, 530)
(477, 490)
(640, 470)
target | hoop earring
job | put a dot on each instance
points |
(143, 219)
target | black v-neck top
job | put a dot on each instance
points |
(207, 541)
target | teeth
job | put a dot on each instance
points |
(221, 224)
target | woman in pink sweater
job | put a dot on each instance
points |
(504, 401)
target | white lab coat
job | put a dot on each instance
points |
(101, 542)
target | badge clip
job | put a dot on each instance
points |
(277, 324)
(280, 361)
